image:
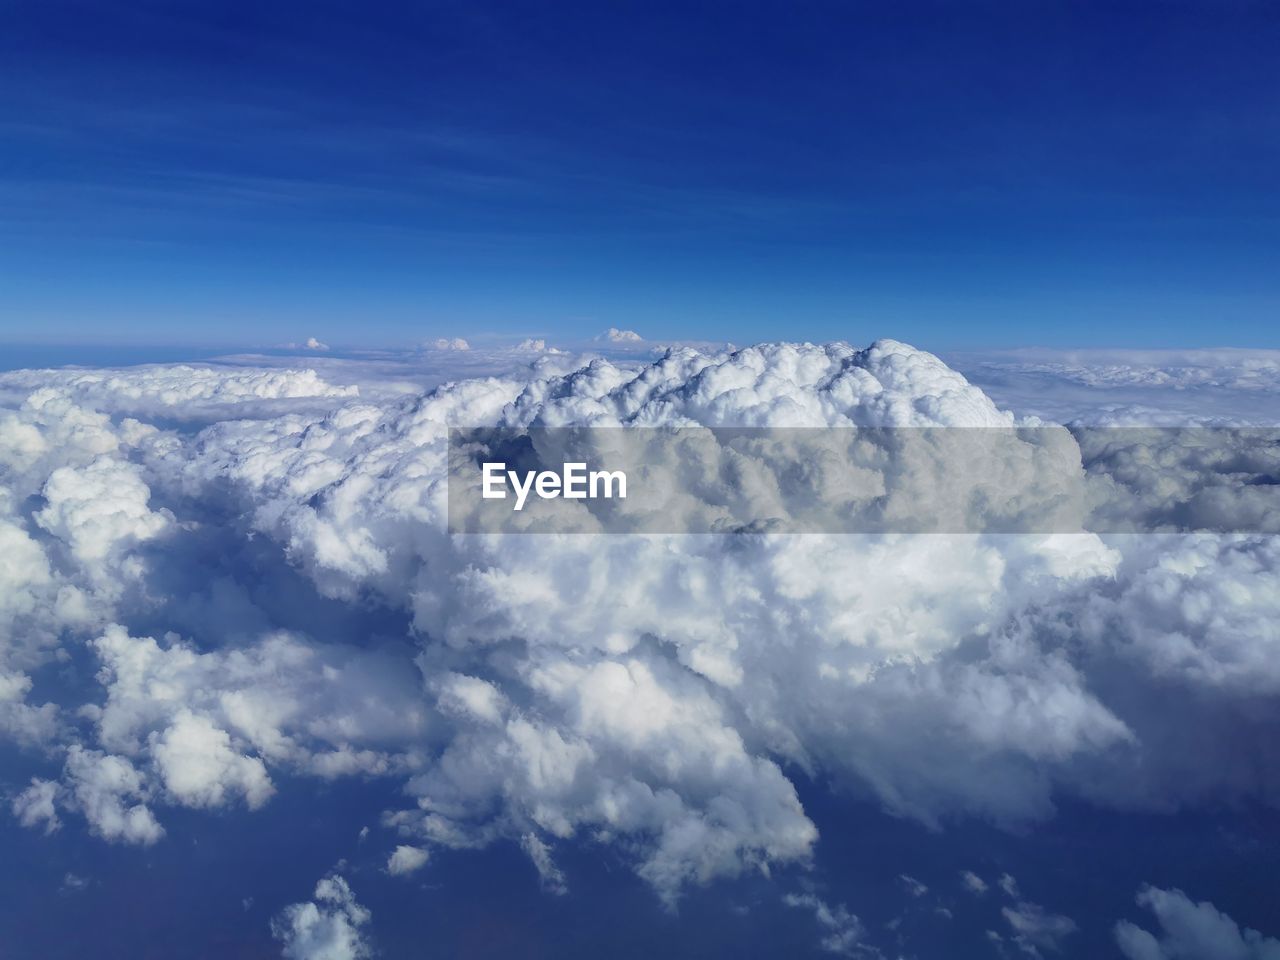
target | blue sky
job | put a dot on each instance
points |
(956, 175)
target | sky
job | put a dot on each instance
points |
(957, 175)
(256, 699)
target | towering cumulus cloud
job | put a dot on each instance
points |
(658, 695)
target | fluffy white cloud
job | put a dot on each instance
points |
(99, 511)
(1200, 608)
(627, 751)
(307, 706)
(406, 859)
(50, 584)
(328, 927)
(199, 767)
(111, 793)
(23, 722)
(24, 568)
(47, 429)
(199, 729)
(34, 806)
(1190, 931)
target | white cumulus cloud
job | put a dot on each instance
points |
(330, 926)
(1190, 931)
(406, 859)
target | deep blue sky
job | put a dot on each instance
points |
(953, 174)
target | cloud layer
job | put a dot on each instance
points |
(656, 695)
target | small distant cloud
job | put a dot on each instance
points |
(912, 885)
(842, 931)
(534, 345)
(311, 343)
(552, 877)
(449, 343)
(1008, 884)
(405, 860)
(972, 882)
(614, 335)
(1034, 927)
(72, 883)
